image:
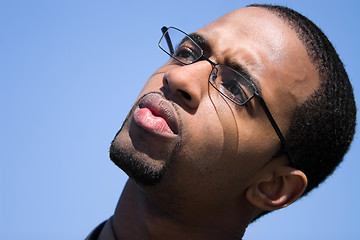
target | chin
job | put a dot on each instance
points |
(138, 167)
(144, 155)
(141, 156)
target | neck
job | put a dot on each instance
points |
(138, 217)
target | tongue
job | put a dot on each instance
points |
(150, 122)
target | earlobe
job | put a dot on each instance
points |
(277, 189)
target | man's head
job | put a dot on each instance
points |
(323, 126)
(202, 151)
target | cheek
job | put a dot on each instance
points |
(227, 122)
(218, 148)
(204, 140)
(258, 141)
(248, 136)
(203, 130)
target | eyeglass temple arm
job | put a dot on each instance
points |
(277, 130)
(168, 40)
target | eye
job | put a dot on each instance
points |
(187, 52)
(234, 90)
(183, 53)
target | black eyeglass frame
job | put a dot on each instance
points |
(255, 94)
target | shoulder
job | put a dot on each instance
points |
(96, 232)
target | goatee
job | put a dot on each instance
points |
(136, 169)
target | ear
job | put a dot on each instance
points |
(277, 188)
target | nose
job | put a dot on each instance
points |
(188, 83)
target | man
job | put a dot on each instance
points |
(250, 113)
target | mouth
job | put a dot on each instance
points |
(156, 115)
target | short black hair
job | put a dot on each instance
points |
(323, 127)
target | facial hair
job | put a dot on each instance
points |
(136, 169)
(140, 170)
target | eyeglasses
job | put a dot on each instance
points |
(229, 83)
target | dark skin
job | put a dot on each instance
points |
(227, 169)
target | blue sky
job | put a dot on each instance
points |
(69, 72)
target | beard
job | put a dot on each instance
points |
(142, 165)
(135, 168)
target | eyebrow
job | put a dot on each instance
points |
(201, 41)
(245, 73)
(205, 46)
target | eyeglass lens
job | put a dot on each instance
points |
(227, 81)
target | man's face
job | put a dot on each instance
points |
(183, 135)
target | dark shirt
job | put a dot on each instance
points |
(96, 232)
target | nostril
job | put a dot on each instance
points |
(165, 81)
(185, 95)
(173, 85)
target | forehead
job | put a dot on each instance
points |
(267, 47)
(252, 25)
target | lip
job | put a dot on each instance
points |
(156, 115)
